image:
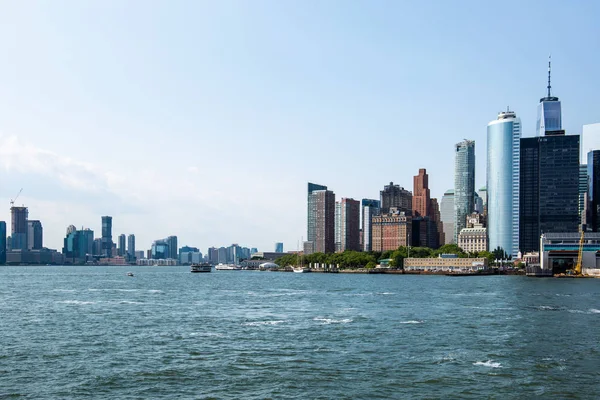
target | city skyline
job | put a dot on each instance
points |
(72, 85)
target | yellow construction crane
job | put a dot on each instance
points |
(577, 269)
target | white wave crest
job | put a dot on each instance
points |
(488, 363)
(130, 302)
(79, 302)
(594, 311)
(327, 321)
(412, 322)
(259, 323)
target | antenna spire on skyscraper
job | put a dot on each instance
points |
(549, 70)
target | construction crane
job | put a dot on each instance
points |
(12, 202)
(577, 269)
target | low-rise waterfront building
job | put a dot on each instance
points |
(445, 263)
(559, 252)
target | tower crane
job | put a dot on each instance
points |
(12, 202)
(577, 270)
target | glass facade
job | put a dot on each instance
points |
(447, 216)
(107, 242)
(369, 209)
(464, 184)
(549, 187)
(593, 185)
(548, 116)
(2, 242)
(503, 182)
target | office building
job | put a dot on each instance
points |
(593, 191)
(160, 250)
(350, 224)
(78, 245)
(464, 183)
(19, 231)
(139, 254)
(213, 255)
(370, 208)
(447, 217)
(278, 248)
(97, 246)
(590, 139)
(503, 183)
(122, 251)
(549, 188)
(35, 235)
(391, 230)
(2, 242)
(583, 187)
(107, 242)
(395, 196)
(131, 246)
(474, 239)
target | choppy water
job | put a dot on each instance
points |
(75, 332)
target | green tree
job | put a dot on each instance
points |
(451, 248)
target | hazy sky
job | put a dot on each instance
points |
(206, 119)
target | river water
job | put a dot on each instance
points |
(77, 332)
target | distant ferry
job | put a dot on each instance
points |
(203, 267)
(227, 267)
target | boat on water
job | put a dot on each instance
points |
(130, 274)
(203, 267)
(227, 267)
(300, 270)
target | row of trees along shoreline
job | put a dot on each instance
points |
(357, 259)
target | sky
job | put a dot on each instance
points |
(206, 120)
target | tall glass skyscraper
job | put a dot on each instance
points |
(503, 182)
(464, 184)
(549, 112)
(107, 242)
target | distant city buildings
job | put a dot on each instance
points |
(464, 183)
(35, 235)
(131, 253)
(163, 249)
(593, 191)
(278, 247)
(321, 220)
(19, 228)
(350, 224)
(503, 182)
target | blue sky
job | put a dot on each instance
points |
(206, 119)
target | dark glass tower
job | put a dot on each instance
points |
(2, 242)
(549, 187)
(593, 192)
(549, 116)
(107, 243)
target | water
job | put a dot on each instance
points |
(75, 332)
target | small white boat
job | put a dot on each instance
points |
(203, 267)
(130, 274)
(300, 270)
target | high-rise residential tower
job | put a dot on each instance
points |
(35, 235)
(131, 246)
(464, 184)
(447, 217)
(549, 111)
(172, 243)
(122, 243)
(350, 224)
(369, 209)
(19, 231)
(311, 224)
(396, 197)
(324, 209)
(107, 242)
(503, 182)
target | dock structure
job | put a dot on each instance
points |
(559, 253)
